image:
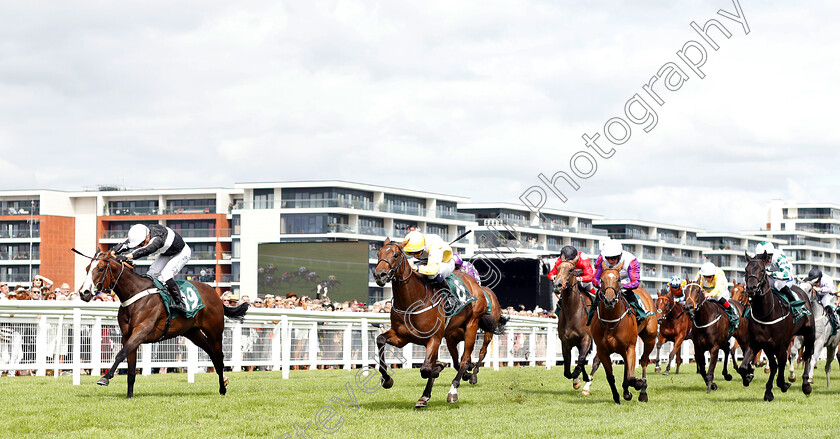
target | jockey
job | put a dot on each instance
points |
(466, 267)
(823, 286)
(614, 255)
(713, 281)
(778, 269)
(583, 266)
(675, 287)
(434, 254)
(174, 253)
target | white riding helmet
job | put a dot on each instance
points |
(708, 269)
(764, 246)
(137, 234)
(611, 249)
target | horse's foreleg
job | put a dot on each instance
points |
(809, 353)
(675, 353)
(659, 343)
(745, 369)
(132, 372)
(710, 375)
(583, 351)
(726, 352)
(782, 357)
(793, 357)
(608, 370)
(768, 388)
(828, 360)
(429, 367)
(130, 344)
(630, 371)
(567, 359)
(390, 337)
(645, 360)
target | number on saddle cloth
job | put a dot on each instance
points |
(456, 297)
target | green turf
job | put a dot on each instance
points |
(512, 403)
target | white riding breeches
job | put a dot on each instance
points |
(778, 284)
(166, 267)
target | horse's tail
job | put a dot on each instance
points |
(488, 324)
(236, 312)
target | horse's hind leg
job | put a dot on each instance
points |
(213, 348)
(473, 377)
(768, 388)
(726, 352)
(581, 361)
(659, 344)
(782, 360)
(469, 345)
(710, 375)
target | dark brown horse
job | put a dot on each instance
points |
(710, 332)
(771, 327)
(674, 326)
(143, 320)
(615, 331)
(418, 316)
(739, 294)
(571, 323)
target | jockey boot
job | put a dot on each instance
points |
(177, 302)
(592, 310)
(641, 314)
(832, 317)
(730, 312)
(791, 297)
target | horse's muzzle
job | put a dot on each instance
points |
(85, 295)
(381, 278)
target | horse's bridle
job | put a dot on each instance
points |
(671, 305)
(392, 272)
(99, 285)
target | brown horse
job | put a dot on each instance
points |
(472, 375)
(674, 326)
(571, 323)
(771, 327)
(143, 320)
(418, 316)
(615, 331)
(710, 332)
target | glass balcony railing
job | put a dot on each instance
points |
(670, 239)
(631, 235)
(185, 233)
(203, 256)
(114, 211)
(189, 210)
(22, 211)
(19, 256)
(227, 278)
(14, 278)
(809, 242)
(20, 234)
(404, 210)
(375, 231)
(698, 243)
(314, 203)
(456, 215)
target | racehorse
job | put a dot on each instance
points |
(824, 339)
(739, 293)
(771, 327)
(471, 375)
(571, 324)
(418, 316)
(615, 331)
(674, 326)
(710, 332)
(143, 319)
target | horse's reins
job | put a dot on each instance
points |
(672, 303)
(763, 281)
(697, 307)
(601, 292)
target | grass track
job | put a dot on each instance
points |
(514, 402)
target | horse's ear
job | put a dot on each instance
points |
(402, 244)
(747, 255)
(620, 266)
(387, 240)
(604, 265)
(576, 260)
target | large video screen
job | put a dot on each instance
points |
(336, 270)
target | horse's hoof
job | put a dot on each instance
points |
(806, 388)
(585, 392)
(452, 398)
(421, 403)
(768, 396)
(222, 391)
(666, 373)
(792, 378)
(466, 377)
(576, 384)
(388, 383)
(713, 386)
(784, 387)
(727, 377)
(226, 380)
(766, 369)
(103, 381)
(643, 397)
(658, 369)
(628, 396)
(473, 379)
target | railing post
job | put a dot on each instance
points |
(192, 361)
(550, 346)
(287, 346)
(96, 347)
(59, 333)
(365, 347)
(236, 351)
(510, 353)
(40, 347)
(276, 346)
(146, 349)
(532, 346)
(77, 346)
(408, 354)
(494, 351)
(313, 346)
(346, 345)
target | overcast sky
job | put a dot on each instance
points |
(466, 98)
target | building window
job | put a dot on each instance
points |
(20, 207)
(263, 198)
(405, 205)
(446, 209)
(199, 205)
(438, 229)
(375, 294)
(314, 223)
(20, 229)
(303, 198)
(194, 228)
(132, 207)
(371, 226)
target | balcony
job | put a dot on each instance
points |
(631, 235)
(698, 243)
(189, 210)
(373, 231)
(404, 210)
(501, 222)
(20, 234)
(115, 211)
(456, 216)
(19, 256)
(14, 278)
(316, 203)
(809, 242)
(22, 211)
(670, 239)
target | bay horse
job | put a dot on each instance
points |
(418, 316)
(674, 326)
(615, 331)
(144, 320)
(571, 324)
(771, 327)
(710, 332)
